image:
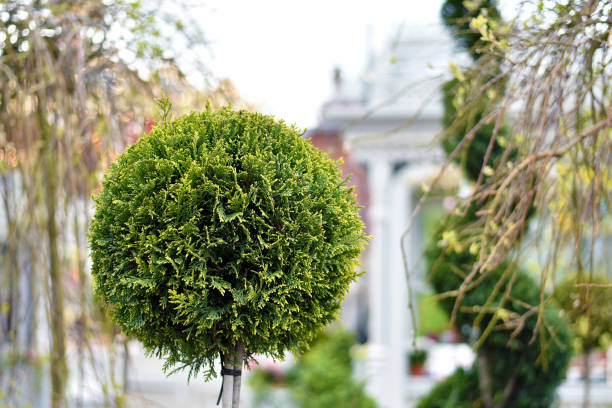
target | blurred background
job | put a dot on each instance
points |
(78, 82)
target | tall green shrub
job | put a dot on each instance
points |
(222, 228)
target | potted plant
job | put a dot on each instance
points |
(417, 360)
(224, 234)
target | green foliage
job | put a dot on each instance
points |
(589, 309)
(459, 390)
(418, 357)
(458, 119)
(458, 14)
(535, 368)
(522, 354)
(222, 227)
(164, 107)
(322, 378)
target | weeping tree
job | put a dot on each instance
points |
(224, 234)
(538, 89)
(549, 71)
(71, 92)
(514, 120)
(539, 85)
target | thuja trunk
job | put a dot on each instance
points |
(232, 383)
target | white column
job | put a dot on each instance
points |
(379, 172)
(398, 311)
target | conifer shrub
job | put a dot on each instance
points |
(222, 227)
(322, 377)
(458, 14)
(459, 390)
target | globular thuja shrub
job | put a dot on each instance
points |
(224, 227)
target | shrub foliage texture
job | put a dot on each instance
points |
(222, 227)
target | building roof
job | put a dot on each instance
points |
(395, 108)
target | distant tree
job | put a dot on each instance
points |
(588, 305)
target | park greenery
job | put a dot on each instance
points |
(224, 233)
(528, 120)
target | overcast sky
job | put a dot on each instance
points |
(280, 54)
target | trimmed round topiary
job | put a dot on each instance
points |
(224, 227)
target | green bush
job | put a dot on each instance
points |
(459, 390)
(323, 376)
(223, 227)
(535, 369)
